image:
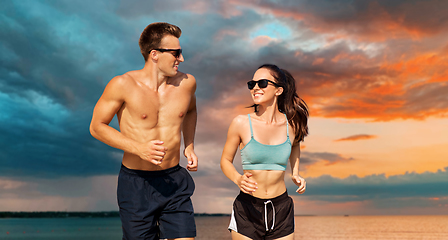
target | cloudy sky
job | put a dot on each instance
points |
(374, 74)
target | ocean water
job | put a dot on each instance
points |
(215, 228)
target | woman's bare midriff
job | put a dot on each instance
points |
(270, 183)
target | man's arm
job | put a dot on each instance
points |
(189, 129)
(107, 106)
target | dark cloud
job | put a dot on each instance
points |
(376, 187)
(41, 146)
(310, 158)
(52, 59)
(427, 99)
(55, 70)
(364, 20)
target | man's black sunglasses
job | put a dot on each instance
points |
(262, 83)
(176, 52)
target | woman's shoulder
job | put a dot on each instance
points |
(240, 120)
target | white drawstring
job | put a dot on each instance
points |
(266, 215)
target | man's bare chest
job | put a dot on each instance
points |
(158, 107)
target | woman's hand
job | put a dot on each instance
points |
(299, 181)
(246, 184)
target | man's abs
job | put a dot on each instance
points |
(171, 137)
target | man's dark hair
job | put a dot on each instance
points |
(152, 36)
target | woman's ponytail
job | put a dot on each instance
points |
(294, 107)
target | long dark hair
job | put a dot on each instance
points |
(289, 102)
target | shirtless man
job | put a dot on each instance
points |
(153, 105)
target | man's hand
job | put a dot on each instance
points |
(192, 159)
(246, 184)
(299, 181)
(152, 152)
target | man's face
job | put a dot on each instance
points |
(168, 63)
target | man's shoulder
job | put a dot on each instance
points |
(184, 79)
(185, 76)
(123, 80)
(120, 86)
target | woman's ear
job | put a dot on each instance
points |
(279, 91)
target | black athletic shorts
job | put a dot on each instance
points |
(254, 217)
(156, 204)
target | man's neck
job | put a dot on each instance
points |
(153, 76)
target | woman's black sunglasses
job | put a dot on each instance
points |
(262, 83)
(176, 52)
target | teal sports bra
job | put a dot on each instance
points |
(258, 156)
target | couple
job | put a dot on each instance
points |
(155, 104)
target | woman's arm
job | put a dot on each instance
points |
(294, 159)
(233, 140)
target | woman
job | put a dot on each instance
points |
(267, 139)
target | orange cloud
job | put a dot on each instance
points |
(199, 7)
(318, 61)
(356, 137)
(352, 85)
(430, 66)
(261, 41)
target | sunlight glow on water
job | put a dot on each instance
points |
(372, 227)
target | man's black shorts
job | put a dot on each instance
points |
(156, 204)
(254, 217)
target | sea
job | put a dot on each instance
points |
(215, 228)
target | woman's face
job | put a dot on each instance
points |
(267, 94)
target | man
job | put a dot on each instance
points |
(153, 105)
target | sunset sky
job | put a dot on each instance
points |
(374, 74)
